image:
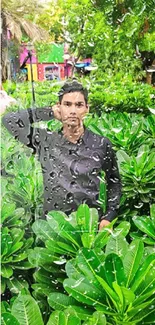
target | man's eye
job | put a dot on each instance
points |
(79, 104)
(67, 104)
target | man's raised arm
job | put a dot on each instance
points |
(20, 124)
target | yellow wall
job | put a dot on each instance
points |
(35, 72)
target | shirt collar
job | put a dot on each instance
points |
(82, 139)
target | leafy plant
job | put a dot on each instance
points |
(65, 235)
(137, 174)
(14, 257)
(24, 311)
(147, 226)
(124, 130)
(121, 286)
(25, 187)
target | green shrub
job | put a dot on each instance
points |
(122, 96)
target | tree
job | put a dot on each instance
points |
(16, 19)
(108, 31)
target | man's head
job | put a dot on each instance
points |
(73, 105)
(73, 86)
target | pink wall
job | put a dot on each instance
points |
(24, 53)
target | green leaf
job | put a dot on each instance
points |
(82, 312)
(138, 313)
(60, 224)
(42, 289)
(98, 318)
(72, 270)
(6, 242)
(60, 318)
(16, 285)
(90, 265)
(145, 225)
(103, 192)
(26, 309)
(142, 271)
(152, 214)
(15, 248)
(83, 292)
(132, 259)
(40, 256)
(146, 286)
(60, 301)
(3, 285)
(122, 229)
(43, 231)
(5, 308)
(8, 319)
(54, 248)
(83, 217)
(6, 271)
(17, 234)
(118, 245)
(114, 270)
(112, 295)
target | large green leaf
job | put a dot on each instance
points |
(146, 286)
(16, 285)
(132, 259)
(6, 271)
(114, 270)
(117, 244)
(43, 231)
(145, 225)
(137, 313)
(61, 318)
(110, 292)
(60, 301)
(122, 229)
(54, 248)
(142, 272)
(26, 310)
(98, 318)
(83, 312)
(5, 307)
(89, 228)
(125, 295)
(8, 319)
(90, 265)
(40, 256)
(84, 292)
(72, 270)
(59, 222)
(152, 214)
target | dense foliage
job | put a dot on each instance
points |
(62, 271)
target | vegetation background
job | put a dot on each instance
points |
(77, 275)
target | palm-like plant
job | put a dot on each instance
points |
(16, 19)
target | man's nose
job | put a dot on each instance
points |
(73, 109)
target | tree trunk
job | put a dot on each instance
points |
(4, 48)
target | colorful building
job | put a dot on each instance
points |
(47, 65)
(51, 63)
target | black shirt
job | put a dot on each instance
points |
(70, 171)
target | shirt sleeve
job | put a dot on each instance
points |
(113, 184)
(20, 124)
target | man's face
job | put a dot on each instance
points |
(73, 108)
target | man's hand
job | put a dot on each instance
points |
(56, 111)
(103, 223)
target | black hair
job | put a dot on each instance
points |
(73, 86)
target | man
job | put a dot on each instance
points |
(71, 159)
